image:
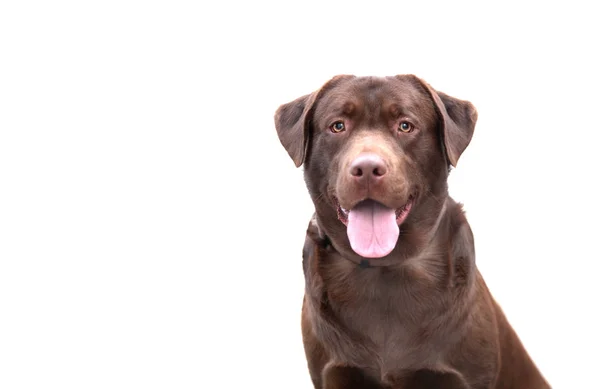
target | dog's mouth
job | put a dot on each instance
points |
(401, 213)
(373, 228)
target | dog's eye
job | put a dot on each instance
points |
(405, 127)
(337, 127)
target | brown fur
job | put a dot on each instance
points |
(422, 316)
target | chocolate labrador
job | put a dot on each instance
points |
(393, 297)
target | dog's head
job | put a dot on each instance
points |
(376, 153)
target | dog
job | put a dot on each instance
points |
(393, 298)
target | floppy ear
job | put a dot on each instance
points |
(458, 122)
(292, 121)
(292, 125)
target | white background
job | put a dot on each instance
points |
(151, 224)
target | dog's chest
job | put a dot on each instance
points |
(378, 310)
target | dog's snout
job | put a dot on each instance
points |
(368, 167)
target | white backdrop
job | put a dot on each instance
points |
(151, 224)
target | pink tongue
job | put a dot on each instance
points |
(372, 229)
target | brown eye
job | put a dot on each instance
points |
(337, 127)
(405, 127)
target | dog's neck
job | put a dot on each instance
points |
(318, 232)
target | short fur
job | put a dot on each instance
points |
(422, 316)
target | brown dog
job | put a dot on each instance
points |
(393, 297)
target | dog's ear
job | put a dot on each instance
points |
(458, 122)
(292, 121)
(459, 118)
(292, 125)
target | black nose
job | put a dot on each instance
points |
(368, 167)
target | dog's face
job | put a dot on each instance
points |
(376, 153)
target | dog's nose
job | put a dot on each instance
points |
(367, 167)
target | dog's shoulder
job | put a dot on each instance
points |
(315, 245)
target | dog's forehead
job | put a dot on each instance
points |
(370, 92)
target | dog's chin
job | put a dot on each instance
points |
(401, 213)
